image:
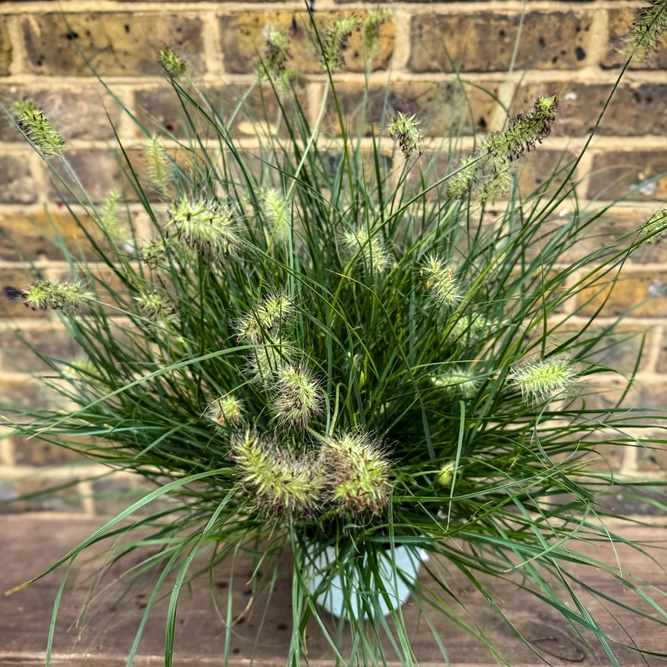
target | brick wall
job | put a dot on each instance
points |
(568, 48)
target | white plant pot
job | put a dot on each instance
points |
(398, 576)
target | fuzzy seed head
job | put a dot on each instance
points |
(497, 183)
(275, 56)
(446, 474)
(153, 253)
(204, 228)
(156, 308)
(109, 218)
(335, 42)
(655, 226)
(267, 319)
(370, 31)
(405, 130)
(368, 249)
(226, 411)
(649, 24)
(299, 398)
(457, 382)
(470, 328)
(522, 132)
(37, 128)
(276, 213)
(358, 473)
(45, 295)
(265, 360)
(157, 163)
(280, 482)
(544, 379)
(173, 66)
(461, 183)
(443, 287)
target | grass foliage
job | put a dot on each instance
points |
(325, 344)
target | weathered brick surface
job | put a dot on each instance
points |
(243, 37)
(37, 452)
(617, 174)
(52, 341)
(77, 112)
(115, 44)
(484, 41)
(16, 181)
(5, 48)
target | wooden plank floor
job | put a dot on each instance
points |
(29, 544)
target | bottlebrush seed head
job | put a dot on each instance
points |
(470, 327)
(173, 66)
(275, 55)
(369, 249)
(446, 474)
(299, 397)
(156, 308)
(204, 228)
(405, 130)
(45, 295)
(37, 128)
(461, 183)
(280, 482)
(277, 214)
(544, 379)
(335, 41)
(225, 411)
(358, 473)
(457, 382)
(370, 30)
(444, 288)
(648, 26)
(153, 253)
(267, 319)
(655, 226)
(157, 164)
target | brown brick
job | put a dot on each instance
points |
(41, 493)
(51, 341)
(440, 106)
(243, 37)
(5, 47)
(26, 394)
(617, 173)
(115, 494)
(484, 41)
(543, 168)
(631, 289)
(76, 112)
(32, 235)
(16, 182)
(636, 109)
(16, 277)
(653, 457)
(116, 44)
(35, 452)
(620, 29)
(630, 502)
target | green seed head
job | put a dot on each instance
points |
(45, 295)
(158, 167)
(457, 382)
(299, 397)
(446, 474)
(655, 226)
(276, 213)
(275, 56)
(405, 130)
(544, 379)
(649, 25)
(173, 66)
(226, 411)
(37, 128)
(335, 41)
(443, 287)
(369, 250)
(461, 183)
(153, 253)
(370, 30)
(267, 320)
(156, 308)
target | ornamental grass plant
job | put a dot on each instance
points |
(327, 350)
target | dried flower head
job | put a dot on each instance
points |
(153, 253)
(370, 30)
(267, 319)
(36, 127)
(281, 483)
(522, 132)
(544, 379)
(226, 411)
(440, 281)
(655, 226)
(156, 308)
(358, 473)
(157, 164)
(335, 41)
(276, 213)
(649, 24)
(446, 474)
(368, 249)
(461, 183)
(172, 65)
(405, 130)
(45, 295)
(457, 382)
(204, 228)
(299, 398)
(275, 55)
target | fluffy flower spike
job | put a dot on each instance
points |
(154, 253)
(37, 128)
(266, 360)
(460, 184)
(405, 130)
(649, 25)
(335, 42)
(157, 164)
(370, 250)
(457, 382)
(280, 482)
(523, 131)
(276, 211)
(544, 379)
(171, 64)
(109, 218)
(299, 396)
(225, 411)
(370, 30)
(470, 328)
(204, 228)
(271, 315)
(45, 295)
(359, 473)
(275, 55)
(446, 474)
(445, 289)
(156, 308)
(497, 184)
(655, 226)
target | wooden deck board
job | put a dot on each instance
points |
(105, 639)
